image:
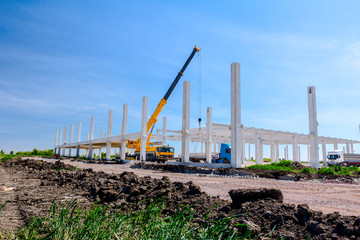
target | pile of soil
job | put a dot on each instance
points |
(251, 173)
(261, 210)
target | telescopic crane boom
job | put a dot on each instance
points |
(163, 101)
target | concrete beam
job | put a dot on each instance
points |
(313, 128)
(143, 132)
(236, 137)
(123, 132)
(208, 134)
(185, 139)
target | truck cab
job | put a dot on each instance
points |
(225, 153)
(335, 157)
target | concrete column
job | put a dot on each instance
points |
(56, 139)
(79, 132)
(287, 152)
(336, 144)
(208, 134)
(299, 153)
(344, 150)
(164, 131)
(109, 132)
(272, 148)
(158, 138)
(88, 136)
(101, 133)
(65, 132)
(185, 123)
(90, 152)
(202, 147)
(92, 125)
(219, 147)
(324, 154)
(143, 134)
(277, 152)
(313, 128)
(249, 156)
(236, 137)
(77, 151)
(87, 153)
(71, 137)
(308, 152)
(295, 149)
(347, 147)
(100, 153)
(352, 147)
(123, 132)
(60, 137)
(257, 149)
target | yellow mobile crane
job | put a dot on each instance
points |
(153, 152)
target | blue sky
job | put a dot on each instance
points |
(64, 61)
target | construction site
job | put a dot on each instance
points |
(216, 183)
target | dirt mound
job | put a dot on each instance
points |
(263, 209)
(297, 165)
(250, 195)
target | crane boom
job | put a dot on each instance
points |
(163, 101)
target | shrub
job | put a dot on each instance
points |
(327, 171)
(306, 170)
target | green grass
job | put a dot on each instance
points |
(98, 222)
(339, 170)
(283, 165)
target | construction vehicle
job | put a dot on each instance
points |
(338, 157)
(156, 152)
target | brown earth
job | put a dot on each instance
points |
(37, 183)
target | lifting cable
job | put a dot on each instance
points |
(199, 89)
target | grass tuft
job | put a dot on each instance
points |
(99, 222)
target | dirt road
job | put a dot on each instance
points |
(326, 197)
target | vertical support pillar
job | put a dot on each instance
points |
(249, 152)
(272, 148)
(352, 147)
(92, 126)
(65, 132)
(79, 132)
(109, 132)
(185, 123)
(313, 128)
(299, 153)
(336, 144)
(202, 147)
(347, 147)
(257, 148)
(324, 154)
(100, 152)
(71, 138)
(123, 132)
(295, 149)
(219, 147)
(208, 135)
(77, 151)
(164, 131)
(308, 152)
(56, 139)
(277, 152)
(143, 132)
(236, 137)
(60, 135)
(101, 133)
(287, 152)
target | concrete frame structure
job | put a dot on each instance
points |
(213, 134)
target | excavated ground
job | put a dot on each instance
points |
(37, 183)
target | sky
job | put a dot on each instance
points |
(62, 62)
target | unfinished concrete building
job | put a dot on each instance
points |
(210, 136)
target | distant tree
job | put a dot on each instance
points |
(35, 152)
(12, 153)
(2, 151)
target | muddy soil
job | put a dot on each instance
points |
(262, 209)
